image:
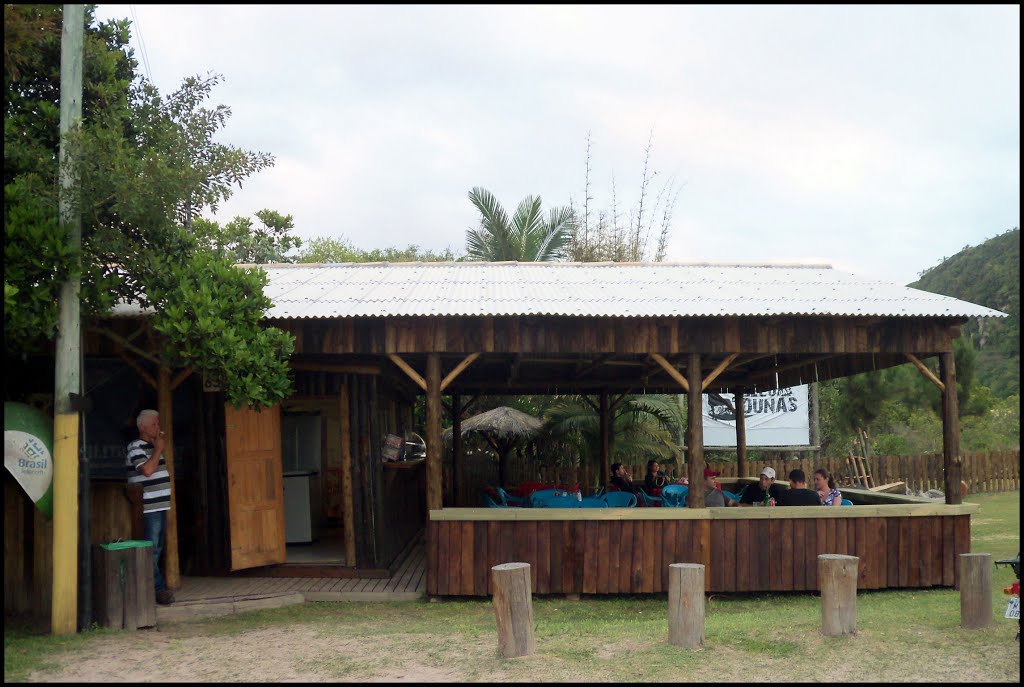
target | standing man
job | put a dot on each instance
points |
(147, 468)
(765, 492)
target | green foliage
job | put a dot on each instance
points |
(209, 311)
(527, 237)
(147, 166)
(240, 242)
(989, 275)
(340, 249)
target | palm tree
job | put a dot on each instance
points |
(527, 238)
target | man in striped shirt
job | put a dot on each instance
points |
(147, 468)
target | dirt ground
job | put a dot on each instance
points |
(306, 654)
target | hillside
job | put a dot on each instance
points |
(989, 275)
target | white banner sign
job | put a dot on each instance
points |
(773, 418)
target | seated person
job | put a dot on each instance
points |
(714, 498)
(755, 493)
(621, 479)
(798, 494)
(826, 488)
(655, 478)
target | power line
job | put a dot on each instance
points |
(142, 43)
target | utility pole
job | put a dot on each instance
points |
(68, 374)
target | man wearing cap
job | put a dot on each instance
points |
(754, 495)
(714, 498)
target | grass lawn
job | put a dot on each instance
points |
(910, 635)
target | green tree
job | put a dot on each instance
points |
(341, 249)
(243, 242)
(148, 164)
(527, 237)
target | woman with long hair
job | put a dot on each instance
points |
(826, 488)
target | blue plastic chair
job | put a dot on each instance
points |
(619, 499)
(592, 502)
(540, 494)
(491, 503)
(648, 500)
(847, 502)
(552, 501)
(674, 495)
(730, 495)
(510, 500)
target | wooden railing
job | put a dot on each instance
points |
(984, 472)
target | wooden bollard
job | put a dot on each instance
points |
(837, 577)
(686, 605)
(513, 609)
(975, 590)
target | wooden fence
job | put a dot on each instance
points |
(984, 472)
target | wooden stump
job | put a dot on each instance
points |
(513, 609)
(122, 582)
(975, 590)
(837, 578)
(686, 605)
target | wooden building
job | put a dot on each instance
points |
(371, 337)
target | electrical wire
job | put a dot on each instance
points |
(142, 43)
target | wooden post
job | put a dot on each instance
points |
(741, 436)
(694, 434)
(951, 461)
(513, 609)
(605, 428)
(67, 360)
(837, 578)
(456, 450)
(433, 429)
(347, 503)
(975, 590)
(165, 406)
(686, 605)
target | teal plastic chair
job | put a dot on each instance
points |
(674, 495)
(648, 500)
(510, 500)
(541, 494)
(592, 502)
(491, 503)
(552, 501)
(619, 499)
(730, 495)
(847, 502)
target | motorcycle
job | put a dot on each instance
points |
(1013, 607)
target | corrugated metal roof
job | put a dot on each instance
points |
(592, 290)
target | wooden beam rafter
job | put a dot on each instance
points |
(467, 361)
(722, 367)
(146, 377)
(672, 372)
(925, 371)
(404, 367)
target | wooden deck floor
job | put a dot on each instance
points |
(207, 596)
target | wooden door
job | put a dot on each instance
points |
(255, 486)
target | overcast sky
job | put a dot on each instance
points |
(876, 139)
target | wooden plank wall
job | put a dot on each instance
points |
(984, 472)
(632, 556)
(28, 543)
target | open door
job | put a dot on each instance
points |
(255, 486)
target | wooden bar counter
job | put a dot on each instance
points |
(902, 542)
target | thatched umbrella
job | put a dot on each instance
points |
(502, 427)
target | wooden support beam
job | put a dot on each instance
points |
(694, 434)
(601, 360)
(413, 374)
(307, 366)
(741, 435)
(182, 376)
(620, 399)
(789, 366)
(722, 367)
(672, 372)
(165, 406)
(121, 341)
(146, 377)
(432, 386)
(347, 496)
(593, 406)
(458, 370)
(952, 464)
(606, 447)
(925, 371)
(456, 413)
